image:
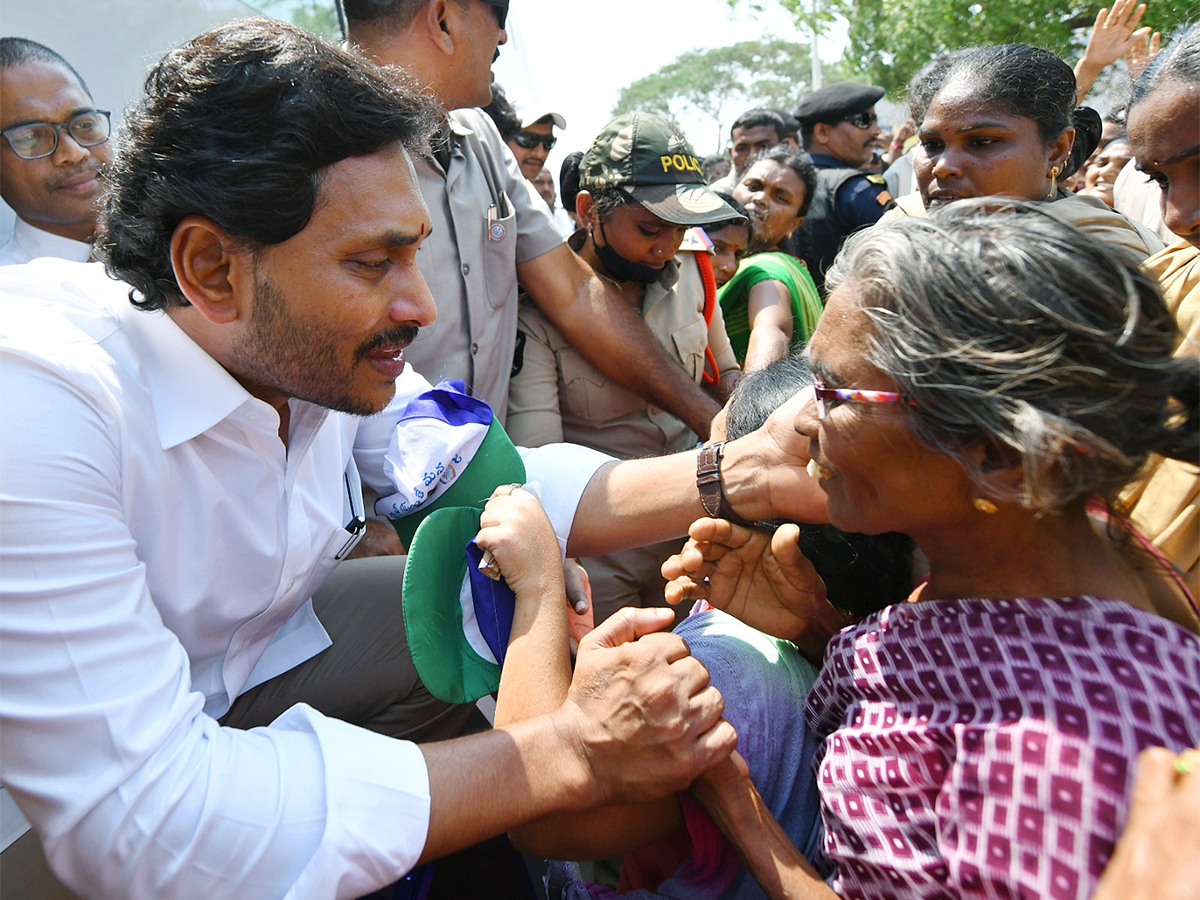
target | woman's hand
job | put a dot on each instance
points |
(764, 580)
(1158, 854)
(515, 530)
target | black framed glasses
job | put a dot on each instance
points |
(529, 140)
(863, 120)
(40, 139)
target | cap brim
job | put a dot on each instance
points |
(449, 629)
(683, 204)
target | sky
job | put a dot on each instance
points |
(577, 55)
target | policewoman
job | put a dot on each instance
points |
(641, 191)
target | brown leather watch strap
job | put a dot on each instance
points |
(708, 482)
(708, 478)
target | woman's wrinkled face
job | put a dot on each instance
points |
(773, 195)
(876, 474)
(968, 148)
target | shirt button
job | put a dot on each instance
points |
(291, 584)
(466, 268)
(474, 349)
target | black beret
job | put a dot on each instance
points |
(832, 102)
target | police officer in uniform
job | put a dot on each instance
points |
(839, 128)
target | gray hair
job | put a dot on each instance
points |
(1005, 326)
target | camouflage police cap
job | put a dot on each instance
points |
(650, 160)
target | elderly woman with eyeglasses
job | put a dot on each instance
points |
(984, 377)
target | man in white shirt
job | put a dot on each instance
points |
(491, 229)
(53, 155)
(178, 476)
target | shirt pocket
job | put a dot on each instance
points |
(589, 397)
(690, 341)
(500, 254)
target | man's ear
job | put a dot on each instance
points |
(210, 269)
(438, 20)
(821, 133)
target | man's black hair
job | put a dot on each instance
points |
(500, 111)
(757, 117)
(237, 126)
(16, 51)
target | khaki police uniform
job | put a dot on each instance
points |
(487, 218)
(556, 395)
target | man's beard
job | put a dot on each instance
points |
(300, 360)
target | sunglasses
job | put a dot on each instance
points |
(863, 120)
(828, 398)
(500, 9)
(528, 140)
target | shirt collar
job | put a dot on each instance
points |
(38, 242)
(190, 390)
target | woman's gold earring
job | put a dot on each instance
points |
(1054, 170)
(985, 506)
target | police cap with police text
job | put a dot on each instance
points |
(834, 101)
(651, 161)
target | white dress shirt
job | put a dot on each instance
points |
(27, 243)
(158, 549)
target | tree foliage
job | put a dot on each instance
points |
(317, 16)
(891, 39)
(723, 82)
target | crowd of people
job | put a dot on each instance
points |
(822, 519)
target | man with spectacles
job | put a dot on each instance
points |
(53, 155)
(839, 129)
(533, 143)
(491, 229)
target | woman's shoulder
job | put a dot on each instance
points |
(1093, 215)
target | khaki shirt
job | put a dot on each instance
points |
(557, 395)
(486, 219)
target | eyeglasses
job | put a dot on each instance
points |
(529, 140)
(40, 139)
(828, 398)
(500, 9)
(863, 120)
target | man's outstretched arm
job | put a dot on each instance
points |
(602, 326)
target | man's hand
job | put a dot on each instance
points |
(640, 710)
(764, 473)
(764, 580)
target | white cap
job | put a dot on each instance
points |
(530, 111)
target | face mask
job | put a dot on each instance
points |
(619, 267)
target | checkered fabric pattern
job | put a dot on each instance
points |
(986, 748)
